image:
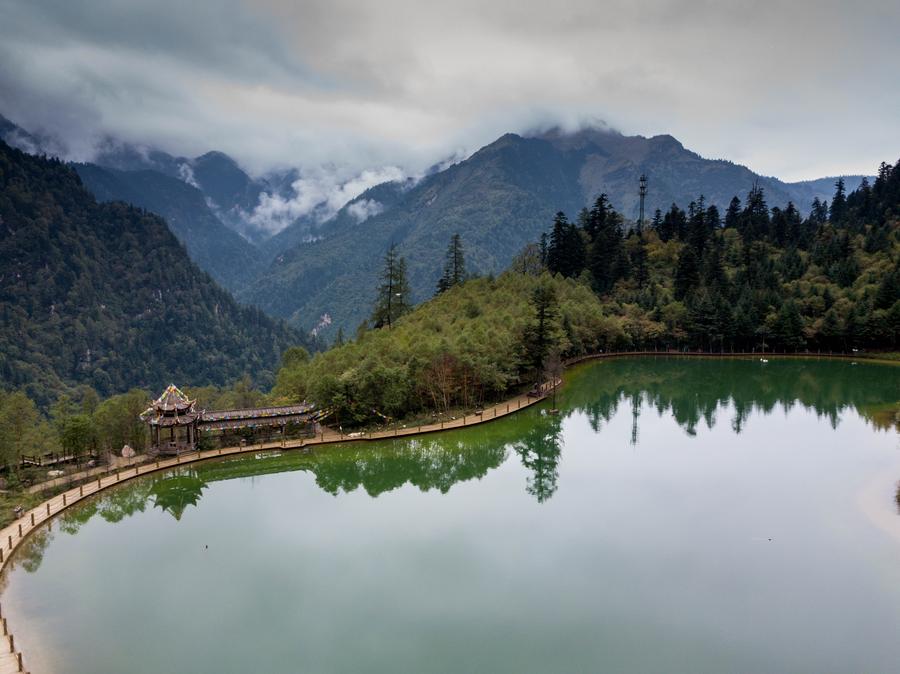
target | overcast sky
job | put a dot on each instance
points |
(796, 89)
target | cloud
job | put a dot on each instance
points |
(794, 89)
(319, 196)
(364, 209)
(186, 173)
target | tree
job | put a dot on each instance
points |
(788, 328)
(818, 214)
(78, 435)
(541, 333)
(755, 221)
(454, 266)
(22, 429)
(565, 251)
(606, 259)
(687, 273)
(393, 293)
(733, 214)
(529, 261)
(117, 421)
(838, 203)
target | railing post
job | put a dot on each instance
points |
(48, 508)
(32, 519)
(10, 542)
(20, 531)
(64, 500)
(81, 490)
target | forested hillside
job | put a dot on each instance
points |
(499, 199)
(469, 345)
(103, 294)
(224, 254)
(753, 278)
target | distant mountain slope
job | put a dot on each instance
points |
(225, 255)
(499, 199)
(104, 294)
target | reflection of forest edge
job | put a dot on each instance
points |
(691, 392)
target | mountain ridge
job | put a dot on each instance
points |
(104, 294)
(500, 198)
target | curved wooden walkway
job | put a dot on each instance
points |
(12, 536)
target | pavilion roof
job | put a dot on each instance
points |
(172, 400)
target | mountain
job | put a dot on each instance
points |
(225, 255)
(230, 193)
(499, 199)
(104, 294)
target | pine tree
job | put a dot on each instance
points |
(393, 293)
(733, 214)
(556, 246)
(565, 252)
(697, 227)
(755, 221)
(788, 328)
(818, 214)
(838, 203)
(687, 273)
(454, 266)
(540, 335)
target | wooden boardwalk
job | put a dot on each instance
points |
(13, 535)
(11, 658)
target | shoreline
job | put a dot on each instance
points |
(12, 536)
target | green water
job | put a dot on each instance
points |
(678, 516)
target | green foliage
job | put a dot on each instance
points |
(104, 295)
(393, 293)
(462, 348)
(454, 265)
(78, 435)
(766, 280)
(117, 421)
(23, 431)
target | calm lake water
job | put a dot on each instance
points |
(679, 516)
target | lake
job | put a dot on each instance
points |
(679, 515)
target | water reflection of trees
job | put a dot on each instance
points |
(691, 391)
(539, 450)
(696, 390)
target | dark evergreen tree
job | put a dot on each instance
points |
(540, 335)
(755, 222)
(454, 266)
(733, 214)
(674, 224)
(788, 328)
(818, 213)
(393, 293)
(656, 223)
(698, 229)
(838, 203)
(606, 259)
(565, 251)
(687, 273)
